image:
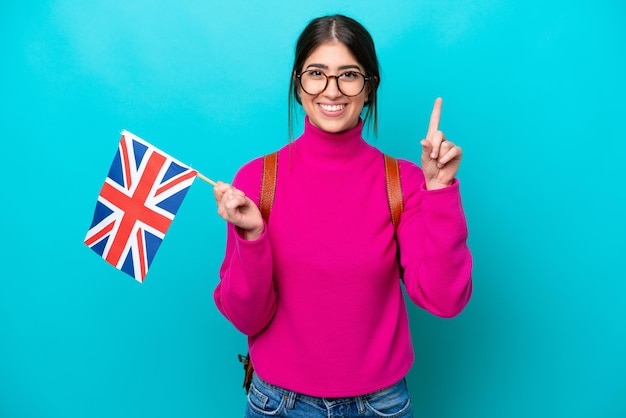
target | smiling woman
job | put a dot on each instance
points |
(315, 270)
(207, 81)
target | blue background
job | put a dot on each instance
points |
(533, 92)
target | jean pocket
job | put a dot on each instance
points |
(393, 402)
(265, 401)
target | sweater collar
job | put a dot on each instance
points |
(327, 148)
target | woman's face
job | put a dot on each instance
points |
(331, 110)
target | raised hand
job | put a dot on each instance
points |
(440, 158)
(237, 208)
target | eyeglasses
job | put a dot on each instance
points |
(350, 83)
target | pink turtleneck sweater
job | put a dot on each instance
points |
(319, 293)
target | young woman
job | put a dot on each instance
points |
(317, 288)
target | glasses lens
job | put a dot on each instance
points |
(313, 82)
(351, 83)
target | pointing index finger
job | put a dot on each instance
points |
(435, 116)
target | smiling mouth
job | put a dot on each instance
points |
(333, 108)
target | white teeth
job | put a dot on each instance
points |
(332, 108)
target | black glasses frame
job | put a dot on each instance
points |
(366, 79)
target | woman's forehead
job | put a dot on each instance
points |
(332, 54)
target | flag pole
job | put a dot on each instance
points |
(202, 177)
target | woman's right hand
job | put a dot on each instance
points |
(237, 208)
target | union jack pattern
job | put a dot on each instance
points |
(137, 203)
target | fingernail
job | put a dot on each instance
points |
(433, 155)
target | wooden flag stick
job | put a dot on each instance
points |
(202, 177)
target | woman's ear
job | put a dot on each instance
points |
(370, 88)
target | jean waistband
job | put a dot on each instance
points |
(256, 380)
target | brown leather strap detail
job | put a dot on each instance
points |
(248, 371)
(268, 184)
(394, 190)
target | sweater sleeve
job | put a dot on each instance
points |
(432, 237)
(245, 294)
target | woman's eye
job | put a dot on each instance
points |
(316, 74)
(349, 75)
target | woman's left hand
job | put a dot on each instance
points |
(440, 158)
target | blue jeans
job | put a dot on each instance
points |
(266, 400)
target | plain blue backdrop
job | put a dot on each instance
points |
(533, 92)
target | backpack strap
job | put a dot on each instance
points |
(394, 190)
(266, 201)
(268, 184)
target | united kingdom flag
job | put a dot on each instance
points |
(137, 203)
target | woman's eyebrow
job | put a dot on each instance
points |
(341, 68)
